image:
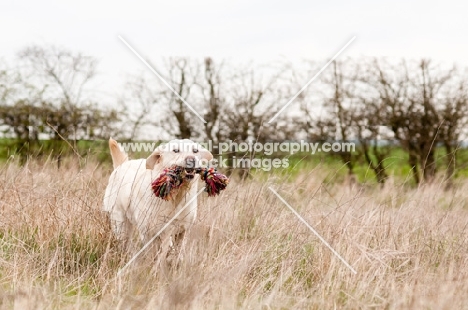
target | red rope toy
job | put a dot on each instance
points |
(173, 177)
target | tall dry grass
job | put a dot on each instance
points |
(247, 250)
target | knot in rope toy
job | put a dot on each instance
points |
(173, 177)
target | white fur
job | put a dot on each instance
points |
(131, 202)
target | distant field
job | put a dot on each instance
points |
(396, 165)
(396, 162)
(97, 149)
(408, 245)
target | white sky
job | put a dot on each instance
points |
(236, 30)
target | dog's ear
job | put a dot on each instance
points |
(118, 156)
(205, 154)
(154, 158)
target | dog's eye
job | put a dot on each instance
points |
(175, 150)
(195, 150)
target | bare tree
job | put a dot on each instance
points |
(152, 104)
(454, 113)
(45, 94)
(20, 112)
(183, 75)
(63, 76)
(370, 122)
(141, 105)
(416, 108)
(338, 122)
(214, 103)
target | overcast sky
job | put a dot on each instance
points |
(238, 30)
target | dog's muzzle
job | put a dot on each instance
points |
(190, 165)
(189, 173)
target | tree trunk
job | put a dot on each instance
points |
(378, 168)
(429, 166)
(413, 162)
(451, 157)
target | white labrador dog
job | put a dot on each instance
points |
(129, 197)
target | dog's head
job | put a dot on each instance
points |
(184, 153)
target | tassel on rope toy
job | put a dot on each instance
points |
(173, 177)
(215, 182)
(170, 179)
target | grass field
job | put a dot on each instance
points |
(247, 250)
